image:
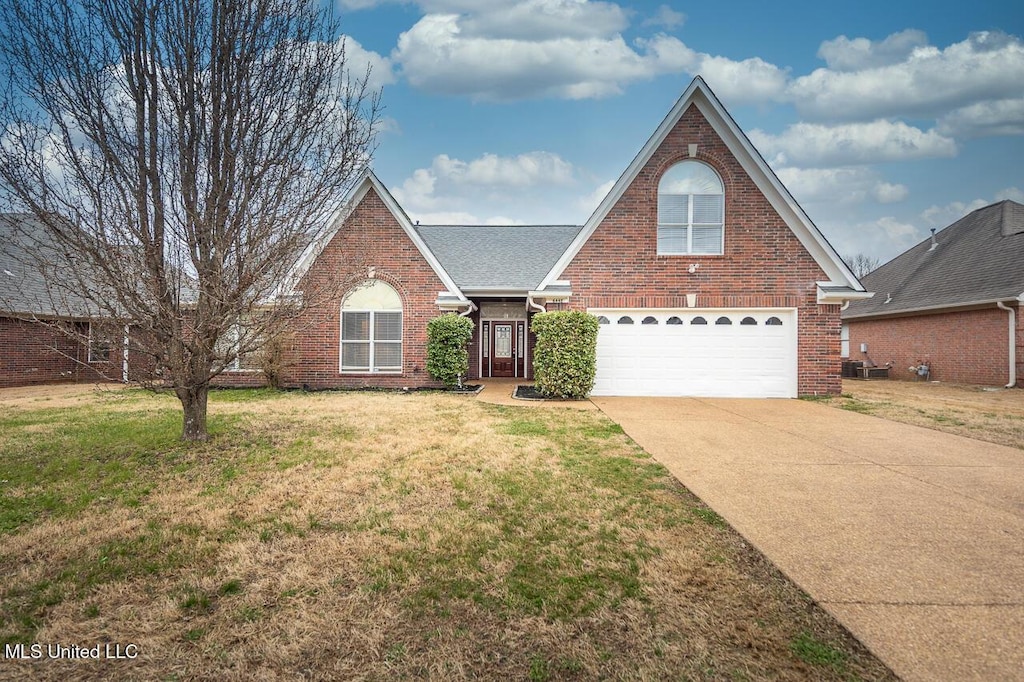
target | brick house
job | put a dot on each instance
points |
(952, 302)
(706, 276)
(38, 343)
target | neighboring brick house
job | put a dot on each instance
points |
(706, 276)
(38, 343)
(952, 302)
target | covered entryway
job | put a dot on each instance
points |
(503, 340)
(723, 353)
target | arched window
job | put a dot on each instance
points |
(773, 322)
(601, 319)
(748, 320)
(371, 329)
(649, 320)
(723, 320)
(674, 320)
(691, 210)
(625, 319)
(698, 320)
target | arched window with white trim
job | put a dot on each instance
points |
(371, 329)
(691, 210)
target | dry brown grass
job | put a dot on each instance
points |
(985, 413)
(385, 536)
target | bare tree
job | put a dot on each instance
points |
(861, 264)
(182, 155)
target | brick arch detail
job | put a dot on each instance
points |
(385, 277)
(711, 159)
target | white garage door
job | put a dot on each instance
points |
(722, 353)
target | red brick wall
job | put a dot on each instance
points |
(370, 238)
(763, 265)
(34, 353)
(967, 347)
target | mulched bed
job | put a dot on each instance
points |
(529, 392)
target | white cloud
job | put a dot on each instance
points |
(436, 55)
(667, 17)
(844, 54)
(812, 144)
(569, 49)
(883, 238)
(358, 59)
(485, 190)
(588, 203)
(1011, 193)
(944, 216)
(840, 185)
(927, 82)
(516, 171)
(999, 117)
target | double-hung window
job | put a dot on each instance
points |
(371, 329)
(691, 210)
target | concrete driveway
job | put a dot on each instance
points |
(912, 538)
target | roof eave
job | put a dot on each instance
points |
(933, 308)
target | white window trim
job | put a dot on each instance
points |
(235, 366)
(689, 225)
(372, 341)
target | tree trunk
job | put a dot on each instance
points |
(193, 404)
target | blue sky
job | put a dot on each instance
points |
(884, 119)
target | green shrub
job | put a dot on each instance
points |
(447, 353)
(564, 358)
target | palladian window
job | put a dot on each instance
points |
(371, 329)
(691, 210)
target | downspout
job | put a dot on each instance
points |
(533, 304)
(845, 305)
(1013, 342)
(468, 311)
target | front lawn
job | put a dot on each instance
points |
(379, 536)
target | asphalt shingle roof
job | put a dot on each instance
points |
(978, 258)
(23, 282)
(515, 257)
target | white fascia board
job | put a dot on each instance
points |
(699, 94)
(826, 297)
(413, 235)
(951, 307)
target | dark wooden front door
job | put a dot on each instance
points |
(503, 349)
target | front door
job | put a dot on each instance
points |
(503, 347)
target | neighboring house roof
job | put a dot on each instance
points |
(978, 259)
(843, 284)
(28, 286)
(508, 257)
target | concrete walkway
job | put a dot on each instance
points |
(912, 538)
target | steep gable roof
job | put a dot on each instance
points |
(843, 283)
(371, 182)
(977, 259)
(508, 257)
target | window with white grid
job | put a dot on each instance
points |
(691, 210)
(371, 329)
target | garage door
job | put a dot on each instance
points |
(726, 353)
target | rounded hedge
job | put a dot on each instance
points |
(564, 359)
(448, 338)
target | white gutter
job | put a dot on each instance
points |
(530, 303)
(1013, 342)
(469, 310)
